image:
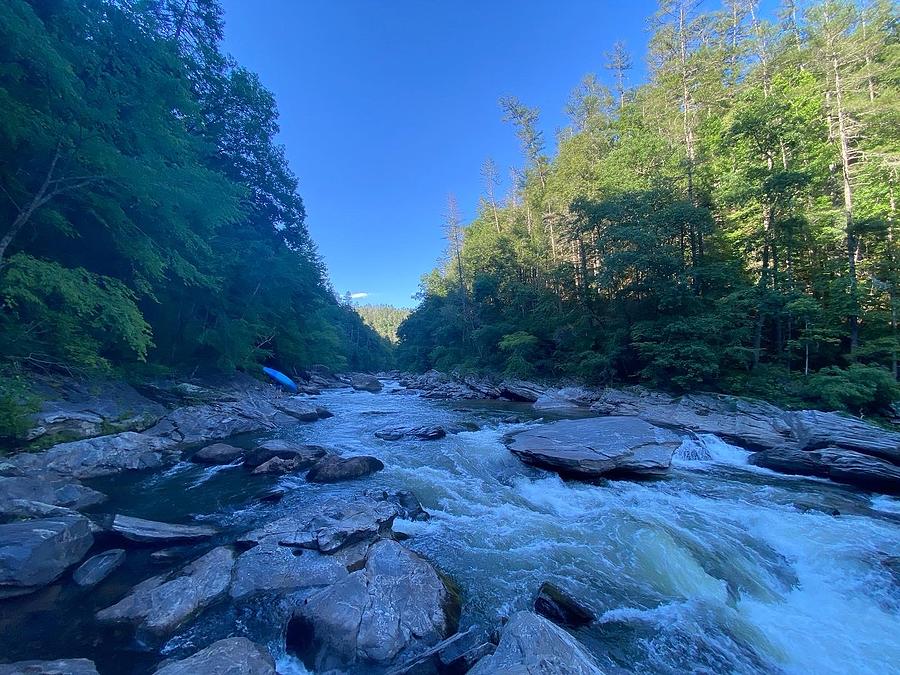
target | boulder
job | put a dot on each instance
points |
(748, 423)
(218, 453)
(57, 667)
(520, 390)
(96, 568)
(101, 456)
(161, 604)
(838, 464)
(333, 469)
(334, 525)
(279, 466)
(531, 645)
(215, 421)
(594, 447)
(235, 656)
(465, 650)
(70, 494)
(303, 455)
(561, 608)
(392, 609)
(298, 407)
(363, 382)
(271, 567)
(36, 552)
(323, 413)
(815, 430)
(424, 433)
(153, 532)
(25, 509)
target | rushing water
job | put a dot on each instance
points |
(719, 568)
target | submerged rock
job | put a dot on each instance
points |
(153, 532)
(160, 604)
(594, 447)
(218, 453)
(393, 608)
(531, 645)
(234, 656)
(57, 667)
(36, 552)
(96, 568)
(425, 433)
(560, 608)
(334, 469)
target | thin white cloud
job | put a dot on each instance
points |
(359, 296)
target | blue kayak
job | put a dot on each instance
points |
(281, 378)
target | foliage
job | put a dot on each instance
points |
(727, 225)
(383, 319)
(147, 211)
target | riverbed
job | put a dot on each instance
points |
(720, 567)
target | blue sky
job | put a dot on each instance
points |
(386, 107)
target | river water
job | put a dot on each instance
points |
(719, 568)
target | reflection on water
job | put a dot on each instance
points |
(721, 567)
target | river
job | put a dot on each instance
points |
(720, 567)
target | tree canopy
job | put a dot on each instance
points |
(729, 224)
(147, 212)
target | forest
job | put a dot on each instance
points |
(150, 220)
(728, 225)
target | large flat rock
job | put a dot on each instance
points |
(531, 645)
(838, 464)
(159, 605)
(231, 656)
(153, 532)
(595, 447)
(36, 552)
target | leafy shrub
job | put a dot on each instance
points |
(857, 389)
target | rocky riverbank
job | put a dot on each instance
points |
(805, 442)
(348, 593)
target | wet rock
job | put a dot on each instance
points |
(816, 430)
(323, 413)
(36, 552)
(237, 656)
(751, 424)
(57, 667)
(100, 456)
(72, 409)
(561, 608)
(304, 455)
(532, 645)
(270, 567)
(838, 464)
(393, 608)
(363, 382)
(410, 508)
(153, 532)
(520, 390)
(159, 605)
(461, 655)
(218, 453)
(424, 433)
(334, 525)
(220, 420)
(279, 466)
(25, 509)
(96, 568)
(169, 555)
(594, 447)
(299, 408)
(334, 469)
